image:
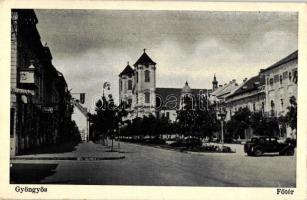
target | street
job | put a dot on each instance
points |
(151, 166)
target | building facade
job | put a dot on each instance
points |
(269, 93)
(281, 85)
(250, 94)
(38, 91)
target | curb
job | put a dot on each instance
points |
(68, 158)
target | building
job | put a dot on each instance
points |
(137, 89)
(269, 93)
(250, 94)
(38, 90)
(217, 97)
(280, 85)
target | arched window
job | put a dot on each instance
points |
(147, 97)
(147, 76)
(129, 84)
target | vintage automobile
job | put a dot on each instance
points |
(257, 146)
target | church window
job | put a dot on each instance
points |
(147, 97)
(129, 84)
(147, 76)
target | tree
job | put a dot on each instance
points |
(194, 119)
(291, 115)
(107, 118)
(240, 121)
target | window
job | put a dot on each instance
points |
(280, 79)
(167, 115)
(254, 107)
(295, 77)
(129, 103)
(290, 76)
(12, 122)
(282, 104)
(120, 85)
(147, 76)
(129, 84)
(271, 81)
(276, 78)
(137, 77)
(147, 97)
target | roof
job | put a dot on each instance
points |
(250, 85)
(127, 71)
(225, 89)
(186, 88)
(170, 97)
(292, 56)
(144, 60)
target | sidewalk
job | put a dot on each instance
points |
(83, 151)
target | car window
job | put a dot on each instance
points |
(261, 140)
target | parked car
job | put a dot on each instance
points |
(257, 146)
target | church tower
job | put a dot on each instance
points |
(145, 78)
(214, 83)
(186, 92)
(126, 86)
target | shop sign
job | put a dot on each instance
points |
(27, 77)
(22, 91)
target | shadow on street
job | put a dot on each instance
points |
(21, 173)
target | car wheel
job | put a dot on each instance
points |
(258, 152)
(290, 152)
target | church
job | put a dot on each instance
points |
(137, 89)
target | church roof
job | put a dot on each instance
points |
(144, 60)
(170, 97)
(292, 56)
(127, 71)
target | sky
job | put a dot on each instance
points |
(91, 47)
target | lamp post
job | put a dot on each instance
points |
(222, 115)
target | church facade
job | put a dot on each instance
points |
(137, 89)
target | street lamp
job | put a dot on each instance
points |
(222, 115)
